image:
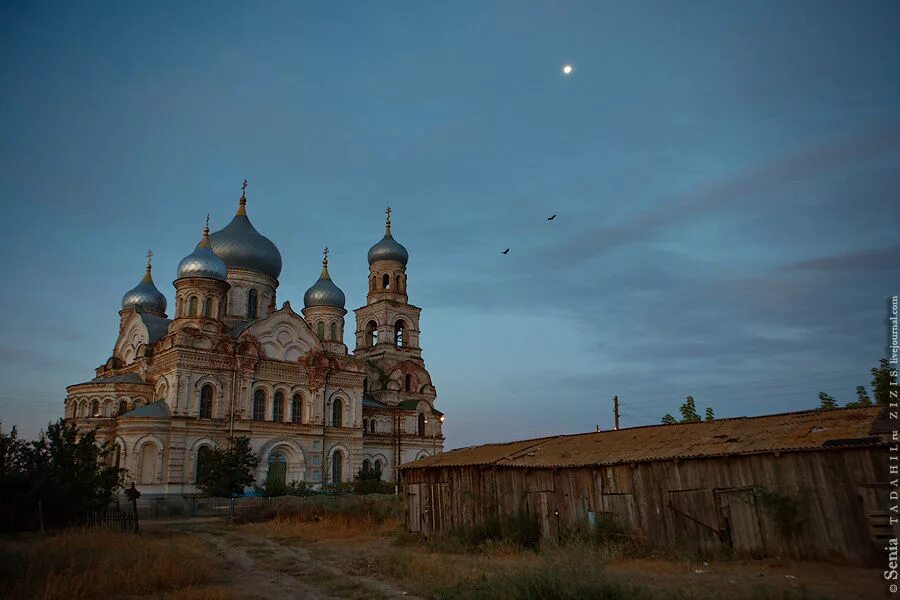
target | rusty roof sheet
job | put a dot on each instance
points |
(807, 430)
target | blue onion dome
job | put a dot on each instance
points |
(388, 248)
(203, 262)
(242, 247)
(324, 292)
(144, 296)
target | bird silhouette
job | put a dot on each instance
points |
(551, 218)
(505, 251)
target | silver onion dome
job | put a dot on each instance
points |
(241, 246)
(144, 296)
(324, 292)
(388, 248)
(203, 262)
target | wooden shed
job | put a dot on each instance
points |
(810, 484)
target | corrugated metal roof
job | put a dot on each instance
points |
(154, 410)
(807, 430)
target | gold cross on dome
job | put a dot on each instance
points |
(325, 252)
(149, 256)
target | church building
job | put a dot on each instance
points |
(231, 363)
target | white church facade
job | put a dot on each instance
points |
(230, 363)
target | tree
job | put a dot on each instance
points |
(689, 413)
(884, 379)
(61, 476)
(826, 401)
(228, 472)
(368, 481)
(862, 398)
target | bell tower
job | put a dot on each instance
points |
(388, 325)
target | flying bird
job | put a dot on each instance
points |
(551, 218)
(505, 251)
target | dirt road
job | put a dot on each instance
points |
(255, 567)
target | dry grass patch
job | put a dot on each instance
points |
(85, 564)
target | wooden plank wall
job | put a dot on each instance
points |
(697, 504)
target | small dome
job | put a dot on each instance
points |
(203, 262)
(242, 247)
(324, 292)
(144, 296)
(388, 248)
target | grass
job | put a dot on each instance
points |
(85, 564)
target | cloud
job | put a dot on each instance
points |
(883, 259)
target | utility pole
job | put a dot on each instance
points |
(616, 410)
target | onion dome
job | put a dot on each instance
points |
(388, 248)
(241, 246)
(324, 292)
(203, 262)
(144, 296)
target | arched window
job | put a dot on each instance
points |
(386, 281)
(259, 405)
(366, 465)
(206, 399)
(147, 463)
(372, 426)
(192, 306)
(207, 307)
(333, 331)
(320, 330)
(179, 311)
(252, 302)
(297, 409)
(399, 331)
(278, 409)
(118, 456)
(365, 384)
(337, 413)
(407, 382)
(365, 425)
(371, 334)
(422, 422)
(123, 407)
(277, 469)
(378, 468)
(202, 462)
(336, 467)
(95, 408)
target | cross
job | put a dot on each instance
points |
(388, 213)
(207, 220)
(325, 252)
(244, 187)
(149, 255)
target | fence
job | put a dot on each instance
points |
(112, 519)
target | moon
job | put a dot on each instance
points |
(567, 69)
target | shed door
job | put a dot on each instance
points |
(694, 518)
(740, 520)
(413, 512)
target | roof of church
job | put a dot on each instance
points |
(154, 410)
(123, 378)
(786, 432)
(157, 327)
(241, 246)
(371, 402)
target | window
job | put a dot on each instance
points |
(386, 281)
(95, 408)
(296, 409)
(118, 459)
(276, 475)
(407, 382)
(278, 409)
(366, 465)
(422, 422)
(206, 401)
(207, 308)
(320, 330)
(147, 463)
(123, 407)
(252, 302)
(371, 334)
(336, 466)
(372, 426)
(259, 405)
(337, 412)
(365, 425)
(192, 306)
(399, 330)
(333, 333)
(378, 468)
(202, 462)
(365, 384)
